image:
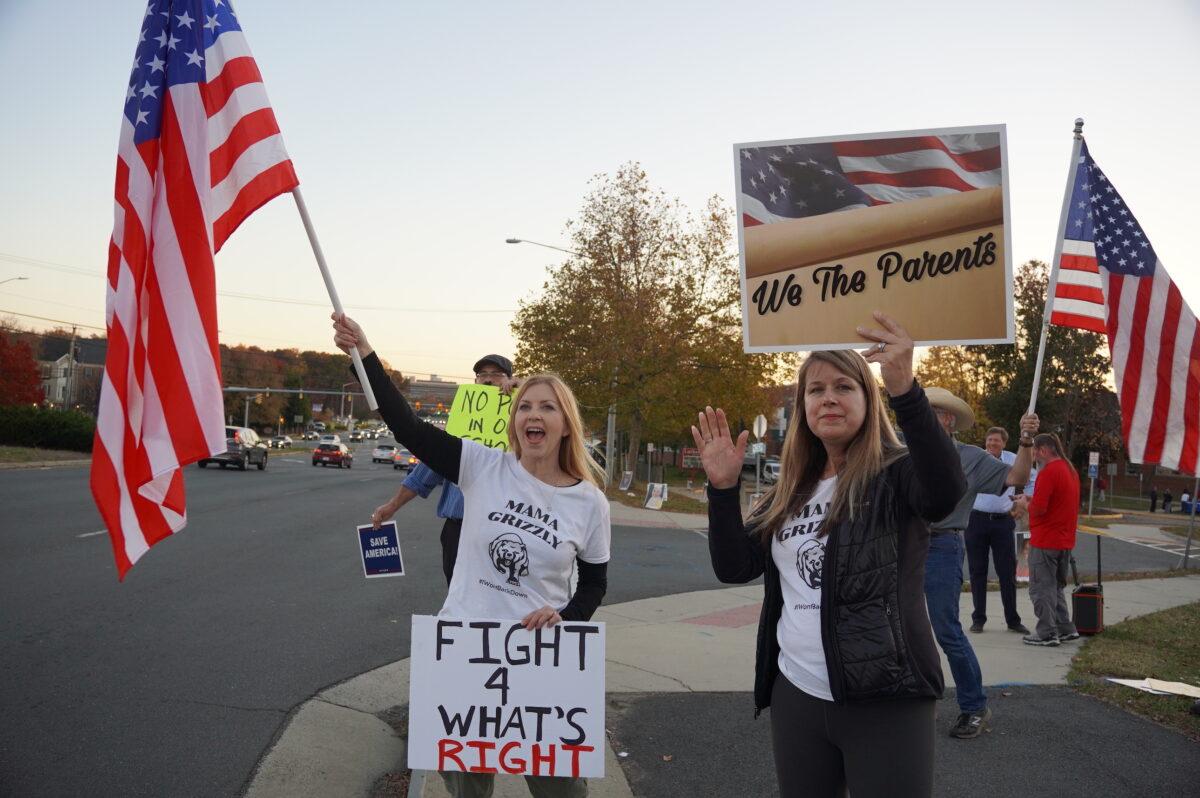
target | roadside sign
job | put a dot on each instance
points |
(1093, 458)
(297, 419)
(760, 426)
(649, 447)
(758, 448)
(1111, 468)
(1093, 471)
(691, 457)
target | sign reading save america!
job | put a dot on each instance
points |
(489, 696)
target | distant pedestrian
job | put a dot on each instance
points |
(992, 528)
(944, 565)
(1053, 517)
(1153, 498)
(845, 659)
(1102, 484)
(1167, 500)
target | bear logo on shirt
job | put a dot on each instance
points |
(809, 560)
(510, 557)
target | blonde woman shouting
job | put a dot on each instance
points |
(846, 658)
(532, 515)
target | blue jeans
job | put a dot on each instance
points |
(943, 591)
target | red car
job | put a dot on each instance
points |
(337, 454)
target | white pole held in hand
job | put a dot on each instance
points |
(333, 294)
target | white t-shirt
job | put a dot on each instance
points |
(799, 555)
(520, 537)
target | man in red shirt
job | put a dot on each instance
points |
(1053, 518)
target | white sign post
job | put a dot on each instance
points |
(488, 696)
(760, 429)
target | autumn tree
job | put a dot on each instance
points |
(20, 381)
(646, 315)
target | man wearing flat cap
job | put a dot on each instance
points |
(944, 565)
(494, 370)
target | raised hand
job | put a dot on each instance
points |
(893, 353)
(347, 335)
(721, 457)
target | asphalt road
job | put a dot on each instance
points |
(1044, 741)
(176, 681)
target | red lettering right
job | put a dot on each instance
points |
(538, 759)
(482, 748)
(576, 750)
(446, 752)
(517, 764)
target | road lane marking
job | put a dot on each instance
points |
(92, 534)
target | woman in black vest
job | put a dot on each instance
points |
(846, 656)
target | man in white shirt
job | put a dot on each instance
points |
(992, 528)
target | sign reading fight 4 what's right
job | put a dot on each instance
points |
(912, 223)
(488, 696)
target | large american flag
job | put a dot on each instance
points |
(199, 151)
(1109, 280)
(791, 181)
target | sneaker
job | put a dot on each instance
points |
(1067, 638)
(970, 724)
(1019, 628)
(977, 626)
(1034, 640)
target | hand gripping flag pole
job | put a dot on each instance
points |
(333, 294)
(1058, 249)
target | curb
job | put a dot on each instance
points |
(45, 464)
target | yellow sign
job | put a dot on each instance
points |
(480, 413)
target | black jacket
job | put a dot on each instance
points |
(874, 625)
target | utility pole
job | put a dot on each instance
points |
(68, 401)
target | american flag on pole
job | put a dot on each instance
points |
(1110, 281)
(796, 180)
(199, 152)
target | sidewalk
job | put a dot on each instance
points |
(338, 744)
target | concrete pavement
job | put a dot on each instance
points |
(337, 743)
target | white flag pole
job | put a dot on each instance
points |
(333, 294)
(1058, 247)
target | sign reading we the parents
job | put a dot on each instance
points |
(911, 223)
(489, 696)
(480, 413)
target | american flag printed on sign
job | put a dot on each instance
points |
(199, 151)
(792, 181)
(1109, 280)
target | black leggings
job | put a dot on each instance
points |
(874, 750)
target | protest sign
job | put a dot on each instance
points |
(380, 550)
(691, 458)
(656, 493)
(910, 223)
(489, 696)
(626, 480)
(480, 413)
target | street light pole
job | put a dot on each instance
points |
(540, 244)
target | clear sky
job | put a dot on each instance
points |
(425, 134)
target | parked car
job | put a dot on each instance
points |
(330, 437)
(404, 459)
(243, 447)
(280, 442)
(356, 437)
(384, 453)
(770, 472)
(338, 454)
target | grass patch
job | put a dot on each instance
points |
(30, 454)
(1163, 645)
(677, 500)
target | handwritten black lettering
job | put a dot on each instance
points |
(790, 291)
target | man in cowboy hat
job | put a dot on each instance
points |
(943, 567)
